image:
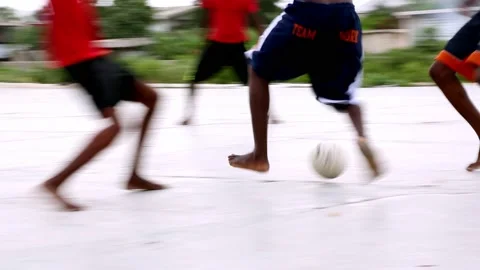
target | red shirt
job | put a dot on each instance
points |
(228, 19)
(71, 30)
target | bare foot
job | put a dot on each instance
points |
(53, 191)
(474, 166)
(249, 162)
(186, 122)
(370, 157)
(137, 182)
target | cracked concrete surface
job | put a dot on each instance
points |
(422, 214)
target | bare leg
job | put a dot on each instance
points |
(190, 108)
(96, 145)
(447, 81)
(148, 97)
(355, 113)
(259, 104)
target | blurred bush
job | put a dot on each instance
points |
(126, 19)
(27, 35)
(179, 52)
(173, 59)
(169, 46)
(402, 67)
(427, 41)
(37, 74)
(380, 18)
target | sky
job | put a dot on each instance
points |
(24, 6)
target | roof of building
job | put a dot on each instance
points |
(431, 12)
(370, 5)
(171, 12)
(124, 43)
(10, 23)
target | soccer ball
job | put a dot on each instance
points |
(328, 160)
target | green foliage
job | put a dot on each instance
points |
(268, 5)
(14, 75)
(169, 46)
(27, 35)
(268, 9)
(35, 74)
(126, 19)
(398, 67)
(401, 67)
(381, 18)
(428, 42)
(420, 5)
(174, 56)
(146, 69)
(49, 76)
(7, 14)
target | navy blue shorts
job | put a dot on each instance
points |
(321, 40)
(462, 52)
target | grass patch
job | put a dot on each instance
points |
(397, 67)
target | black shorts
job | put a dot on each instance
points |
(323, 41)
(462, 52)
(217, 55)
(104, 80)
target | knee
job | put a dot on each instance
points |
(439, 71)
(256, 79)
(252, 74)
(110, 133)
(114, 129)
(152, 99)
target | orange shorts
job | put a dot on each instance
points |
(465, 67)
(462, 52)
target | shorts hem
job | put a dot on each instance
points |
(474, 58)
(327, 101)
(464, 68)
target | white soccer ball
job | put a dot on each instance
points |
(328, 160)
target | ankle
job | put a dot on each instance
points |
(362, 139)
(52, 184)
(260, 155)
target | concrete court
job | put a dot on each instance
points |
(423, 214)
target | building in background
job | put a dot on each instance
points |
(445, 21)
(6, 47)
(171, 18)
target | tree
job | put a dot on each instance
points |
(269, 9)
(28, 35)
(380, 18)
(268, 6)
(420, 5)
(7, 14)
(126, 19)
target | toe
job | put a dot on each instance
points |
(472, 167)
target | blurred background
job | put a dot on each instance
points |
(159, 40)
